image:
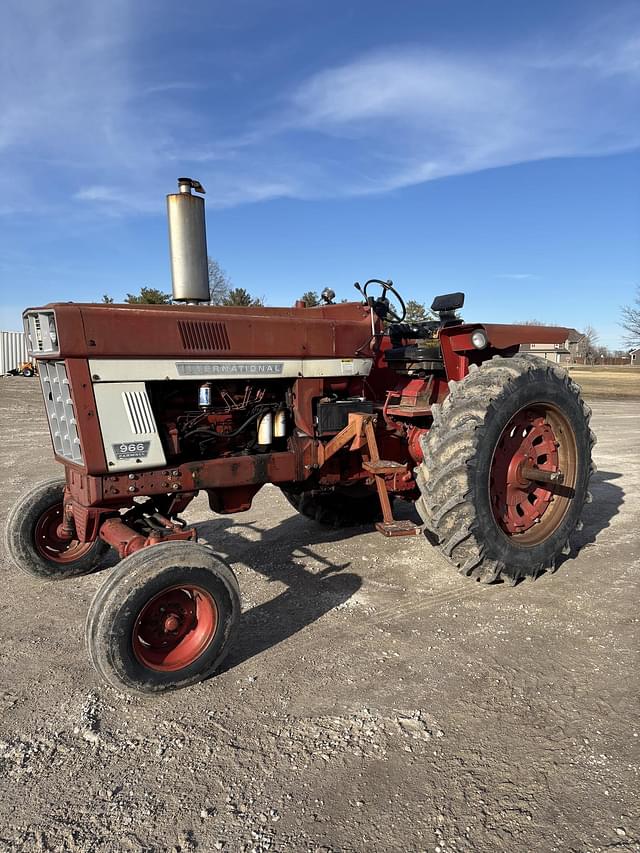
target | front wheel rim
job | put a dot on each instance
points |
(526, 511)
(174, 628)
(51, 545)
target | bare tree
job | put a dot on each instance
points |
(588, 344)
(219, 282)
(631, 321)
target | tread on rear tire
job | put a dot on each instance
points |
(456, 479)
(335, 508)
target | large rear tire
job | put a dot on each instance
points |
(352, 507)
(33, 538)
(165, 618)
(487, 518)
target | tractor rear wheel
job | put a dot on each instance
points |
(35, 542)
(506, 469)
(164, 618)
(350, 507)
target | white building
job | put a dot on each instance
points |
(13, 351)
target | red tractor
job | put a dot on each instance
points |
(345, 407)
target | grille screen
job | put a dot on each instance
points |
(203, 335)
(60, 411)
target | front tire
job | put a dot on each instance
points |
(164, 619)
(507, 416)
(33, 541)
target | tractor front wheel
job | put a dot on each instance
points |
(506, 469)
(164, 618)
(36, 543)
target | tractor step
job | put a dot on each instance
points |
(398, 528)
(384, 466)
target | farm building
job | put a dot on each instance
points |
(564, 353)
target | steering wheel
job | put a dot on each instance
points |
(389, 311)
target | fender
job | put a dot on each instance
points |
(459, 352)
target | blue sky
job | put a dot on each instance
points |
(486, 147)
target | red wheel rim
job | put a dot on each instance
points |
(541, 437)
(51, 545)
(174, 628)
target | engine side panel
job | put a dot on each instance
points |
(129, 430)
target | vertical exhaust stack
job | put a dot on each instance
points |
(188, 243)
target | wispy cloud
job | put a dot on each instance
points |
(516, 276)
(82, 121)
(409, 116)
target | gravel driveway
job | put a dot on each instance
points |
(376, 699)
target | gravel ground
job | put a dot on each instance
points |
(376, 700)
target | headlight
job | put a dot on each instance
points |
(41, 331)
(479, 339)
(53, 334)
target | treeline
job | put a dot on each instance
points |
(221, 292)
(416, 311)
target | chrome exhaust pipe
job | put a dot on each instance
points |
(188, 243)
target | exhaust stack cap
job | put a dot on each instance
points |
(188, 243)
(185, 185)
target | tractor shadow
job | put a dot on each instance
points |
(607, 498)
(596, 517)
(280, 554)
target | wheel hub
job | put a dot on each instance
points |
(174, 628)
(171, 623)
(52, 540)
(527, 442)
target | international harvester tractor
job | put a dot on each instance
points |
(345, 407)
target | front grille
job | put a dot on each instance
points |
(60, 411)
(139, 412)
(203, 335)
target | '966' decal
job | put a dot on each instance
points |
(131, 449)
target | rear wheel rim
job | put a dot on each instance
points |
(529, 512)
(174, 628)
(51, 545)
